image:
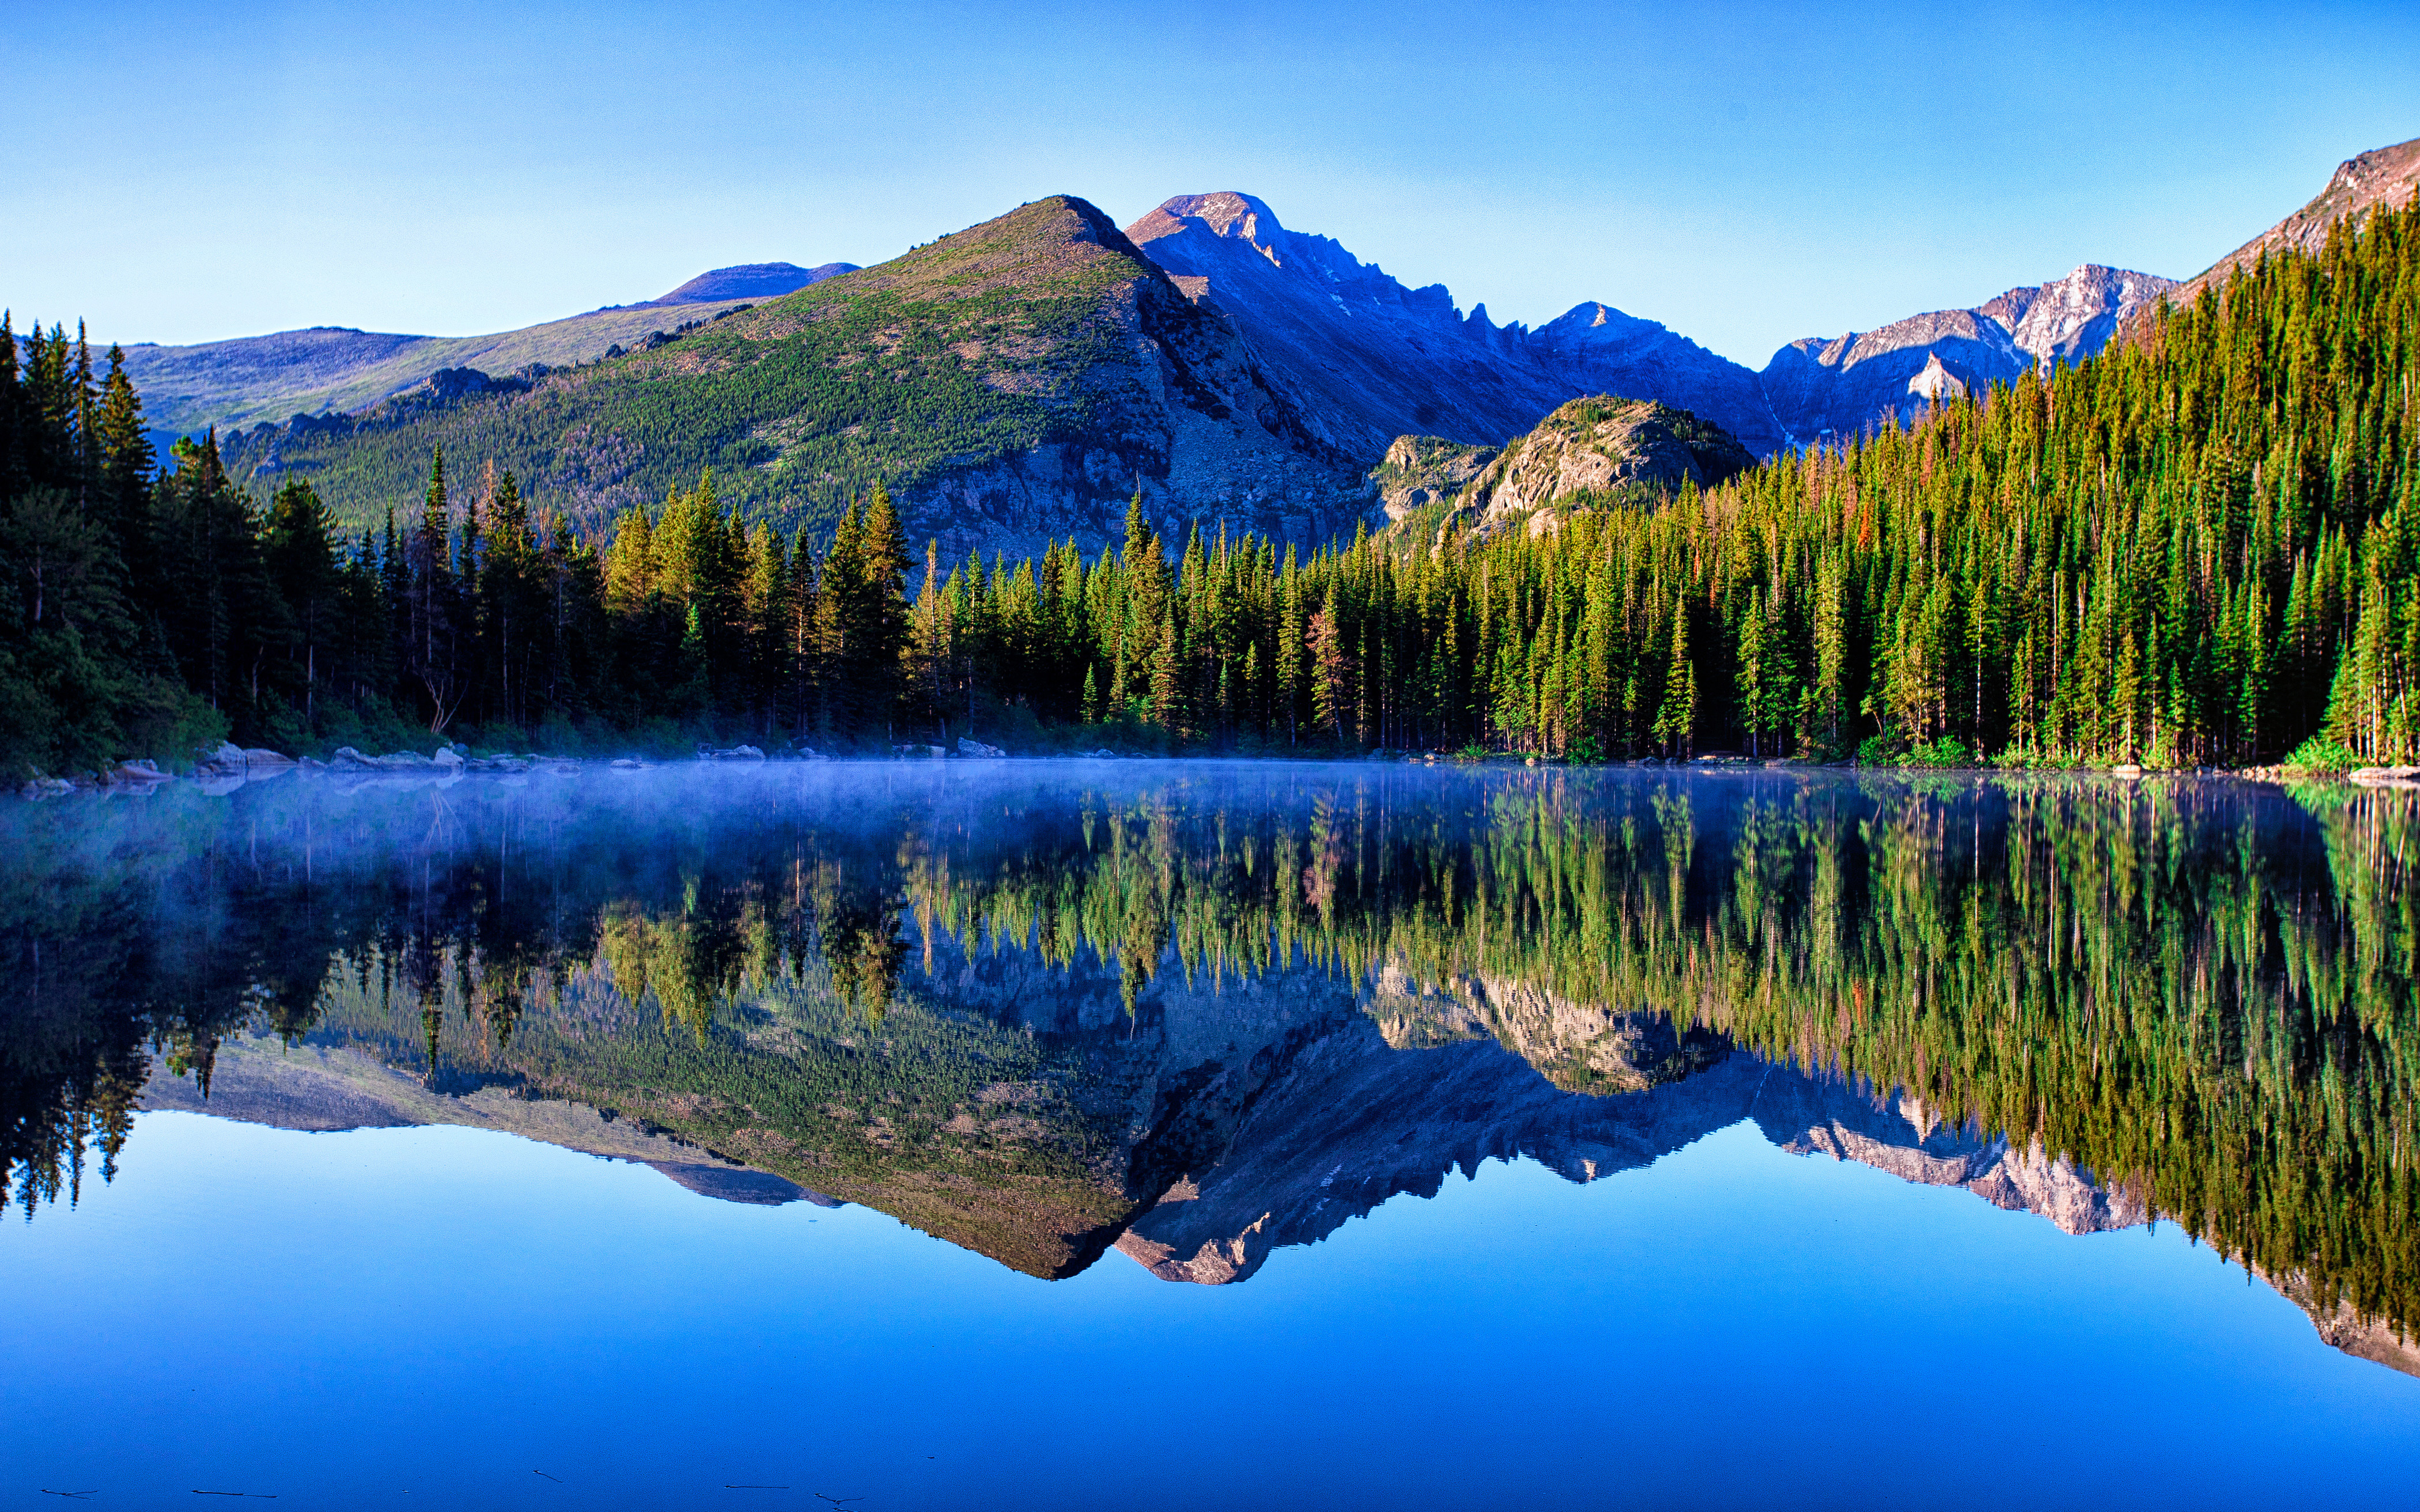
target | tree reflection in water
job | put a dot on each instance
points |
(1018, 1004)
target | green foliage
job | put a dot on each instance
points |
(970, 349)
(1946, 751)
(2320, 754)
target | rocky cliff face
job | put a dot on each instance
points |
(1173, 403)
(1844, 385)
(1421, 470)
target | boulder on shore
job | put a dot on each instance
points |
(225, 762)
(976, 747)
(2386, 777)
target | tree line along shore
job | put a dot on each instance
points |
(2196, 549)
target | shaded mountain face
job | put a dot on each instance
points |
(1010, 384)
(750, 281)
(1373, 360)
(2386, 177)
(1844, 385)
(1369, 360)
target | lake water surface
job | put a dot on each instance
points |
(1072, 1135)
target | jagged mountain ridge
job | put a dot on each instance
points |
(1325, 359)
(1373, 360)
(1844, 385)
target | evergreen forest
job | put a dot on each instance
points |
(2200, 547)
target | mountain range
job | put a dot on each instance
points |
(1228, 367)
(252, 378)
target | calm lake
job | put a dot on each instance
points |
(1135, 1135)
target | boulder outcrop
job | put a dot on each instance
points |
(1600, 450)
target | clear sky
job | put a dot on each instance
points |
(1745, 174)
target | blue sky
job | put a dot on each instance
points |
(1745, 174)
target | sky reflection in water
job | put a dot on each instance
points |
(1365, 978)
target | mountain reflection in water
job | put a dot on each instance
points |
(1197, 1012)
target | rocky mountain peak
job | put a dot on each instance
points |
(1843, 385)
(1936, 383)
(2074, 317)
(1226, 213)
(1596, 324)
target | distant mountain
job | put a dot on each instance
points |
(1011, 384)
(1371, 360)
(751, 281)
(1283, 373)
(2385, 176)
(1843, 385)
(274, 378)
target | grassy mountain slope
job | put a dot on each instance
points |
(249, 379)
(1009, 383)
(256, 379)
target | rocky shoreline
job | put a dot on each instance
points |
(231, 766)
